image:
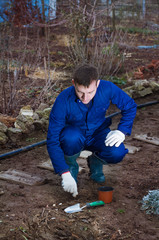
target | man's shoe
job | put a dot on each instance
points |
(73, 165)
(96, 169)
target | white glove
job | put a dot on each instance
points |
(69, 184)
(115, 137)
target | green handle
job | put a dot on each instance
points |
(94, 204)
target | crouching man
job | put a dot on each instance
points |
(77, 122)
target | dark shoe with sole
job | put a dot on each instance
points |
(96, 169)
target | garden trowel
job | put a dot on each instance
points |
(77, 208)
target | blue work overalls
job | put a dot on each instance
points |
(73, 126)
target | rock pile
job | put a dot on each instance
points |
(26, 122)
(141, 88)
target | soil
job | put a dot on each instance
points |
(37, 212)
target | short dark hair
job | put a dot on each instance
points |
(85, 74)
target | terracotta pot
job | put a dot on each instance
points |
(105, 194)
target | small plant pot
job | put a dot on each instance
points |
(105, 194)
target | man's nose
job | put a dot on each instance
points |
(84, 96)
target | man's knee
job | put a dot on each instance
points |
(118, 154)
(115, 154)
(71, 140)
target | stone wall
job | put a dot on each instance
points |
(26, 122)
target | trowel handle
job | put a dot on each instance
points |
(94, 204)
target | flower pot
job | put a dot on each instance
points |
(105, 194)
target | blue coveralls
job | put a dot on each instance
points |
(74, 127)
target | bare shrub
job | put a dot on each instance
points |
(92, 40)
(104, 51)
(19, 55)
(22, 50)
(9, 71)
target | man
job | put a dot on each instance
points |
(77, 122)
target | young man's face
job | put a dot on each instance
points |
(86, 94)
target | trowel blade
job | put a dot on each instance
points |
(73, 208)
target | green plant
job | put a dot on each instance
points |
(150, 202)
(120, 210)
(117, 80)
(111, 48)
(31, 139)
(60, 53)
(24, 237)
(133, 30)
(22, 229)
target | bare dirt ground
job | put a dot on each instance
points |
(37, 212)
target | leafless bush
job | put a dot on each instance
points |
(48, 89)
(20, 54)
(107, 52)
(9, 71)
(93, 41)
(22, 50)
(14, 59)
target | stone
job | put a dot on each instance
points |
(26, 127)
(47, 113)
(46, 165)
(20, 125)
(142, 88)
(132, 149)
(25, 123)
(40, 113)
(26, 111)
(41, 124)
(3, 138)
(35, 116)
(140, 84)
(3, 127)
(145, 138)
(145, 92)
(1, 193)
(38, 124)
(15, 134)
(129, 90)
(42, 106)
(21, 177)
(44, 114)
(154, 86)
(45, 124)
(25, 118)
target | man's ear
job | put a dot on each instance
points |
(73, 82)
(98, 82)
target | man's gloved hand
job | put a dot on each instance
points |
(115, 137)
(69, 184)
